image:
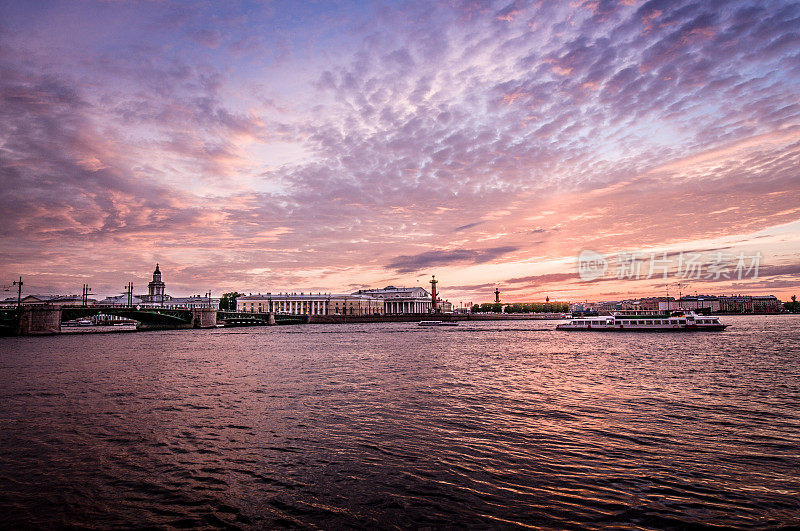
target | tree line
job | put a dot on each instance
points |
(228, 300)
(521, 307)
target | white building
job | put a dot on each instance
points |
(311, 304)
(401, 300)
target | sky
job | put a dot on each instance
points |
(264, 146)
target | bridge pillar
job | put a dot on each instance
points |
(271, 318)
(39, 321)
(204, 317)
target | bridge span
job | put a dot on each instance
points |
(43, 320)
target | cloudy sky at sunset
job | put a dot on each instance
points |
(265, 146)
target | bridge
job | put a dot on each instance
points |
(36, 320)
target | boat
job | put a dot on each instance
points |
(78, 322)
(677, 321)
(437, 323)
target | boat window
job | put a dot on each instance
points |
(682, 321)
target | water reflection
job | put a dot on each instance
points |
(390, 425)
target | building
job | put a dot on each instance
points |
(607, 306)
(708, 303)
(311, 304)
(357, 305)
(767, 304)
(119, 300)
(401, 300)
(750, 304)
(655, 303)
(157, 297)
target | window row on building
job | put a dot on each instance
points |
(310, 304)
(389, 300)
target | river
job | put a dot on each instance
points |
(390, 425)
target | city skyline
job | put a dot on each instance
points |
(337, 146)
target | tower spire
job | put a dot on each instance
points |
(156, 287)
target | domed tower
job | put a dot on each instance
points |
(156, 287)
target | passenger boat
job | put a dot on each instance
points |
(678, 321)
(437, 323)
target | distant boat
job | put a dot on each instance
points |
(78, 322)
(678, 321)
(437, 323)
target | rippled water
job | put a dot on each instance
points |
(483, 425)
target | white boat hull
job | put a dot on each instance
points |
(676, 322)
